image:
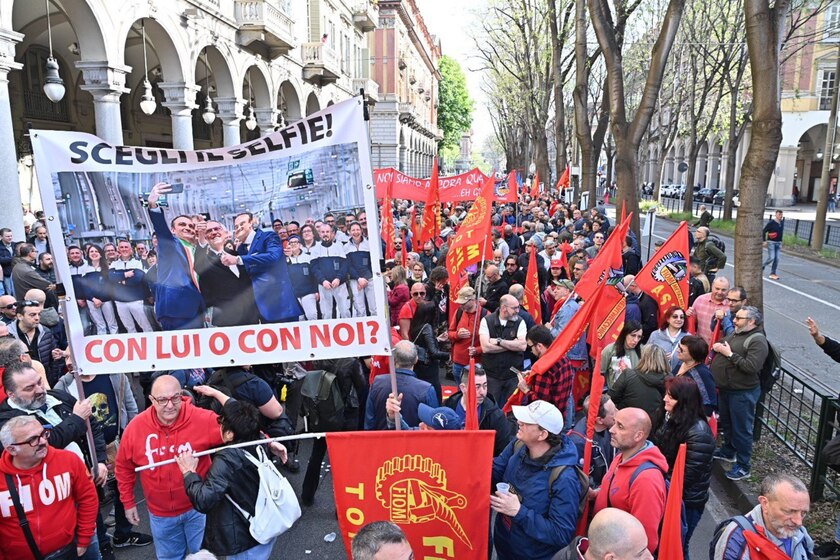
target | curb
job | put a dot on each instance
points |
(737, 490)
(827, 262)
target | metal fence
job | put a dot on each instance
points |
(801, 229)
(802, 414)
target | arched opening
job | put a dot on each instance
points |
(288, 102)
(312, 104)
(809, 162)
(257, 96)
(213, 76)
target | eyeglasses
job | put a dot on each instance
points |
(678, 317)
(740, 318)
(36, 439)
(174, 400)
(212, 229)
(418, 293)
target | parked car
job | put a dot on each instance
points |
(705, 195)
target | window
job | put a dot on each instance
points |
(826, 84)
(832, 22)
(36, 104)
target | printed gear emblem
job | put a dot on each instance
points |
(413, 489)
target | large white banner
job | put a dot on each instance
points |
(176, 259)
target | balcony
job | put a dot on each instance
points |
(365, 16)
(262, 22)
(320, 63)
(371, 89)
(408, 114)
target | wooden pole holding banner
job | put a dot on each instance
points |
(62, 303)
(472, 399)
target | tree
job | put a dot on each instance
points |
(455, 105)
(628, 134)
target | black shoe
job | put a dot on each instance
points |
(133, 539)
(107, 552)
(292, 464)
(828, 550)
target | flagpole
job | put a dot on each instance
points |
(316, 435)
(478, 289)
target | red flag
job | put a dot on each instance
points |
(431, 211)
(563, 181)
(417, 480)
(535, 186)
(670, 540)
(513, 186)
(594, 404)
(607, 265)
(715, 337)
(560, 347)
(608, 319)
(469, 245)
(565, 251)
(665, 276)
(762, 548)
(471, 407)
(531, 301)
(415, 231)
(623, 211)
(388, 231)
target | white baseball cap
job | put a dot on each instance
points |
(543, 414)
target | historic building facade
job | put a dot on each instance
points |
(261, 63)
(404, 130)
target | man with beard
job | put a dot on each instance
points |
(24, 275)
(782, 506)
(46, 267)
(40, 343)
(178, 301)
(226, 289)
(261, 253)
(331, 268)
(57, 522)
(736, 366)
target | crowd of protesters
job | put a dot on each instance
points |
(673, 376)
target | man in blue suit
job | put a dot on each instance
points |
(178, 301)
(261, 253)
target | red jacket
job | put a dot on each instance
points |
(146, 440)
(645, 499)
(59, 499)
(461, 346)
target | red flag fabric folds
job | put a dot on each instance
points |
(388, 231)
(531, 301)
(607, 265)
(417, 480)
(535, 186)
(468, 246)
(670, 540)
(431, 211)
(665, 276)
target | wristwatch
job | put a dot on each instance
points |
(498, 342)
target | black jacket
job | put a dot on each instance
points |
(494, 294)
(231, 297)
(227, 531)
(832, 348)
(71, 428)
(650, 316)
(641, 390)
(492, 418)
(700, 446)
(426, 339)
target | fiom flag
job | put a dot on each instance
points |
(665, 276)
(418, 480)
(470, 246)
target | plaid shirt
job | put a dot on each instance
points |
(704, 308)
(554, 386)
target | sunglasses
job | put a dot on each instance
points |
(418, 293)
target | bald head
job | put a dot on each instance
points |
(36, 295)
(166, 384)
(616, 535)
(517, 291)
(637, 419)
(630, 430)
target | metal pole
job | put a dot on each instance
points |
(818, 236)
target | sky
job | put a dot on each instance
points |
(450, 20)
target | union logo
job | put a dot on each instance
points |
(413, 489)
(502, 188)
(672, 268)
(479, 215)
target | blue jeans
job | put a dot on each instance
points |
(737, 415)
(773, 250)
(175, 537)
(457, 371)
(692, 519)
(92, 552)
(8, 286)
(259, 552)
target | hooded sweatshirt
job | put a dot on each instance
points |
(547, 519)
(58, 498)
(638, 389)
(146, 440)
(645, 499)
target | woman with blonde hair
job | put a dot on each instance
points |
(644, 385)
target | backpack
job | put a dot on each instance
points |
(746, 525)
(771, 369)
(647, 465)
(225, 380)
(323, 403)
(583, 480)
(276, 508)
(717, 242)
(460, 313)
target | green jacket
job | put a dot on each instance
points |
(711, 257)
(741, 370)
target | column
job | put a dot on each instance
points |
(266, 119)
(713, 170)
(805, 179)
(106, 83)
(230, 111)
(781, 184)
(180, 100)
(10, 210)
